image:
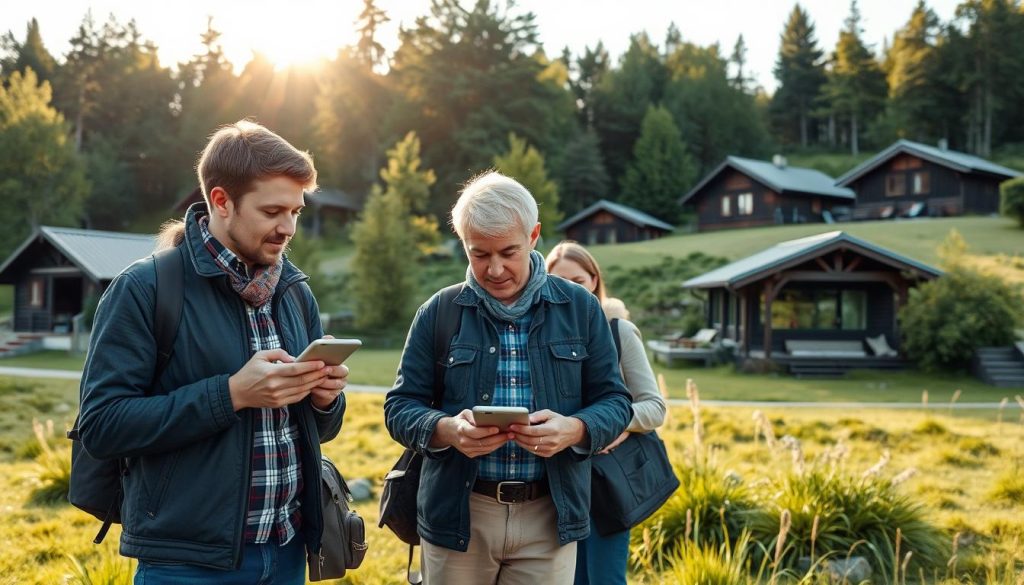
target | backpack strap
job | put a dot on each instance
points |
(170, 295)
(446, 326)
(296, 291)
(615, 337)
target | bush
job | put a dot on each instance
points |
(1012, 199)
(947, 319)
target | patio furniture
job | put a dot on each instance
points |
(825, 348)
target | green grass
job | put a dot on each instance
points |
(917, 239)
(47, 360)
(39, 536)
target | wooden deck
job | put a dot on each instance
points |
(669, 353)
(830, 367)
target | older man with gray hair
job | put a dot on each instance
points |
(507, 507)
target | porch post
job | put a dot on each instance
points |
(768, 298)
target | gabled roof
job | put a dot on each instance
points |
(793, 252)
(334, 198)
(958, 161)
(779, 179)
(101, 255)
(632, 215)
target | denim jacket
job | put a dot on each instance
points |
(186, 489)
(575, 372)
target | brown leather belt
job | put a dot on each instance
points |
(512, 492)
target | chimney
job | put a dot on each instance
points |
(779, 161)
(943, 144)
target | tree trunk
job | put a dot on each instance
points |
(803, 127)
(986, 138)
(832, 129)
(854, 142)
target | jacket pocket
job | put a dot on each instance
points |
(568, 366)
(156, 475)
(460, 373)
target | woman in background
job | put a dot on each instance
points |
(601, 560)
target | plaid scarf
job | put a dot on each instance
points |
(256, 289)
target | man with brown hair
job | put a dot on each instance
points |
(221, 445)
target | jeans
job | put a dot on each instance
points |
(601, 560)
(262, 564)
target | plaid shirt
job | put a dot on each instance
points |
(276, 467)
(513, 387)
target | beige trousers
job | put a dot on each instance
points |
(514, 544)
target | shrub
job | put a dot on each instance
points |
(1011, 195)
(947, 319)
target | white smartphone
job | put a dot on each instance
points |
(500, 416)
(332, 352)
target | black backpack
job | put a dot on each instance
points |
(95, 485)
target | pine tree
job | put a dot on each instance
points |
(31, 53)
(800, 74)
(368, 50)
(384, 263)
(583, 178)
(525, 164)
(661, 170)
(856, 87)
(912, 76)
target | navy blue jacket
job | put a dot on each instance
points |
(189, 454)
(574, 371)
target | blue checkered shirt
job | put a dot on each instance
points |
(513, 387)
(276, 467)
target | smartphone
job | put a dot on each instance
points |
(500, 416)
(332, 352)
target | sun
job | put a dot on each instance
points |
(303, 34)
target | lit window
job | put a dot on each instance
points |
(895, 185)
(745, 203)
(35, 292)
(726, 206)
(921, 183)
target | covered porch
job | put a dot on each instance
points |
(816, 306)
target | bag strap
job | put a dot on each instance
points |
(296, 291)
(170, 295)
(615, 337)
(446, 326)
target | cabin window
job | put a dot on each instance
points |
(36, 292)
(591, 237)
(827, 309)
(854, 307)
(745, 203)
(726, 206)
(895, 185)
(922, 183)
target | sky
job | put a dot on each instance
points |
(295, 31)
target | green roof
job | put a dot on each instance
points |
(634, 216)
(781, 179)
(99, 254)
(959, 161)
(749, 269)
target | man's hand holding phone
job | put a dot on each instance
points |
(324, 394)
(460, 431)
(549, 433)
(272, 379)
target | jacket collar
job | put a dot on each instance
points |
(203, 262)
(551, 292)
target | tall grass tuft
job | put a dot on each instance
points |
(831, 512)
(706, 564)
(1008, 488)
(52, 470)
(112, 569)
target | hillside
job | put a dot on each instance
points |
(918, 239)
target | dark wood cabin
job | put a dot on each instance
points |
(743, 193)
(56, 270)
(607, 222)
(326, 209)
(825, 294)
(910, 179)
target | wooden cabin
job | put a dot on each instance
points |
(607, 222)
(910, 179)
(829, 300)
(743, 192)
(57, 269)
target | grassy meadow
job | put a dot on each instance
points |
(954, 486)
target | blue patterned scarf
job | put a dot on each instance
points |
(529, 296)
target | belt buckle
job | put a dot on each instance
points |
(518, 484)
